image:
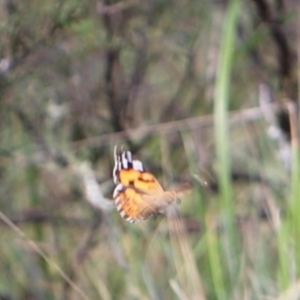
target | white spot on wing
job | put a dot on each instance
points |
(117, 190)
(116, 166)
(119, 207)
(137, 165)
(130, 220)
(124, 161)
(129, 156)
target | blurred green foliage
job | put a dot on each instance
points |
(180, 84)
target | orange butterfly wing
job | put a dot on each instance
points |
(138, 195)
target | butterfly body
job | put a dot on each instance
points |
(138, 195)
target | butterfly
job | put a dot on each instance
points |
(137, 194)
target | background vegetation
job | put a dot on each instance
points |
(199, 90)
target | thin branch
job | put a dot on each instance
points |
(202, 122)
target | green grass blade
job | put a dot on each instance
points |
(222, 94)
